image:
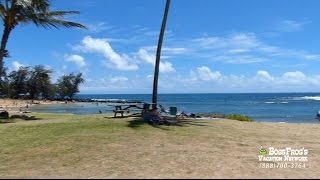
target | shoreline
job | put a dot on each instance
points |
(21, 106)
(16, 105)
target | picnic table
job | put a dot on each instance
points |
(120, 109)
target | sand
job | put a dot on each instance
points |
(17, 105)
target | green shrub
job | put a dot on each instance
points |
(239, 117)
(212, 115)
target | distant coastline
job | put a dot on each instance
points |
(285, 107)
(262, 107)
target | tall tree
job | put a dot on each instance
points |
(18, 82)
(39, 82)
(15, 12)
(4, 83)
(68, 85)
(157, 64)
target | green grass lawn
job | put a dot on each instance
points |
(62, 140)
(93, 146)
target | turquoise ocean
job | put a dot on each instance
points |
(262, 107)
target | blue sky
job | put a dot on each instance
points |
(210, 46)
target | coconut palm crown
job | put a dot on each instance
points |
(15, 12)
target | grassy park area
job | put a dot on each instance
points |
(98, 146)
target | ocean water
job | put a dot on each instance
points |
(262, 107)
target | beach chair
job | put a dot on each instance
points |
(171, 117)
(172, 114)
(173, 111)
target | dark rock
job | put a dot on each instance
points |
(4, 114)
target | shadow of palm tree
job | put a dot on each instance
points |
(12, 120)
(190, 122)
(138, 122)
(134, 115)
(25, 117)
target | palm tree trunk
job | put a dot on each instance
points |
(3, 53)
(156, 69)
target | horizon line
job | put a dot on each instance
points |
(197, 93)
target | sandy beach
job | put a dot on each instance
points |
(14, 106)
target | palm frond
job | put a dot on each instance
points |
(41, 5)
(2, 11)
(33, 5)
(56, 23)
(49, 19)
(58, 13)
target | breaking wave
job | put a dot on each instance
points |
(316, 98)
(272, 102)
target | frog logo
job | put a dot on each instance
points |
(263, 151)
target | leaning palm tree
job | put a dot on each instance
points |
(157, 64)
(15, 12)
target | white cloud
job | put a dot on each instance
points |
(113, 59)
(167, 51)
(238, 59)
(209, 81)
(242, 48)
(118, 79)
(164, 67)
(263, 81)
(293, 75)
(243, 41)
(76, 59)
(16, 65)
(171, 50)
(264, 76)
(294, 78)
(209, 42)
(99, 27)
(291, 25)
(238, 50)
(204, 73)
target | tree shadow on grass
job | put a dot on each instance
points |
(4, 121)
(25, 117)
(191, 122)
(135, 115)
(138, 122)
(13, 120)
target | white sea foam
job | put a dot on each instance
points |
(270, 102)
(284, 102)
(316, 98)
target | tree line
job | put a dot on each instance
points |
(34, 80)
(35, 83)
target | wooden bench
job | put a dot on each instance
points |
(118, 111)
